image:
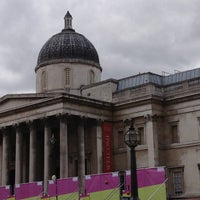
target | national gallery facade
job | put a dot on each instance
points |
(74, 124)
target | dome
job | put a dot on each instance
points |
(68, 46)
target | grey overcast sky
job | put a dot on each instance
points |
(131, 36)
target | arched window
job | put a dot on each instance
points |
(91, 76)
(67, 77)
(44, 81)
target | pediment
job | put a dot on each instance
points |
(9, 102)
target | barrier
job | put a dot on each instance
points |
(151, 183)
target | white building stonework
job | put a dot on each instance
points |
(58, 130)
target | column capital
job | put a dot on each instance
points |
(30, 121)
(45, 121)
(4, 130)
(31, 124)
(99, 121)
(128, 122)
(17, 126)
(152, 117)
(63, 116)
(82, 119)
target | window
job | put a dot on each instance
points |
(67, 77)
(198, 118)
(174, 133)
(176, 181)
(120, 139)
(91, 76)
(44, 81)
(68, 23)
(142, 135)
(173, 136)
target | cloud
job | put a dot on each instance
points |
(130, 36)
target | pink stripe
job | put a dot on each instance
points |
(27, 190)
(101, 182)
(4, 193)
(148, 177)
(94, 183)
(64, 186)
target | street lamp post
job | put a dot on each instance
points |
(132, 139)
(55, 181)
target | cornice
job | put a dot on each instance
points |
(181, 99)
(180, 145)
(148, 99)
(61, 98)
(24, 96)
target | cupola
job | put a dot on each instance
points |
(72, 52)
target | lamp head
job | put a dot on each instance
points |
(132, 137)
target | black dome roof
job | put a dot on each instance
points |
(68, 46)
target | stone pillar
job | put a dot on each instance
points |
(5, 157)
(152, 140)
(18, 156)
(63, 147)
(127, 124)
(25, 158)
(32, 153)
(81, 157)
(99, 146)
(47, 152)
(1, 149)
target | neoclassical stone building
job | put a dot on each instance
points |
(74, 124)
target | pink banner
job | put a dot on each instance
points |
(4, 192)
(27, 190)
(148, 177)
(105, 182)
(63, 186)
(93, 183)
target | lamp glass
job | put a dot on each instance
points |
(132, 137)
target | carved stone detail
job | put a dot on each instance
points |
(152, 117)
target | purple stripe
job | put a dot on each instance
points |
(101, 182)
(94, 183)
(27, 190)
(148, 177)
(64, 186)
(4, 192)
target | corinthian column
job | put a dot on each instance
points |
(152, 140)
(63, 147)
(99, 146)
(81, 158)
(18, 156)
(1, 149)
(5, 157)
(32, 153)
(47, 152)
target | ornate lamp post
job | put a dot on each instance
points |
(132, 139)
(55, 181)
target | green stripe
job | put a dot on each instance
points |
(159, 192)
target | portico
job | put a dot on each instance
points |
(60, 141)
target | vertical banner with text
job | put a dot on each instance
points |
(107, 147)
